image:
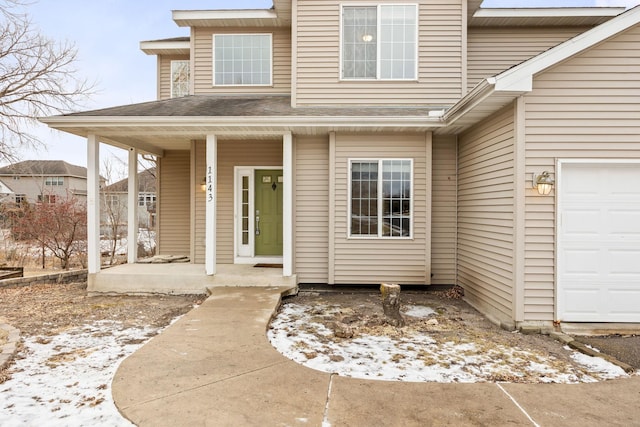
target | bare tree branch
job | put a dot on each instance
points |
(37, 78)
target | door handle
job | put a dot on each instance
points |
(257, 225)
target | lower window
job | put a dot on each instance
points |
(381, 198)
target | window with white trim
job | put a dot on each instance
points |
(179, 78)
(242, 59)
(54, 180)
(381, 198)
(380, 42)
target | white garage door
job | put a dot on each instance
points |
(599, 243)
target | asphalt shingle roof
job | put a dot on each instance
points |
(44, 167)
(238, 106)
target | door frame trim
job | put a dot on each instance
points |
(238, 172)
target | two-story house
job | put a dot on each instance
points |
(422, 142)
(37, 181)
(114, 203)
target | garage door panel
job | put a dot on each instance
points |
(599, 243)
(625, 223)
(582, 303)
(625, 262)
(578, 184)
(624, 302)
(581, 222)
(581, 262)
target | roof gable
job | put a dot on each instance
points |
(493, 93)
(146, 182)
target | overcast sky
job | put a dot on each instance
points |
(107, 34)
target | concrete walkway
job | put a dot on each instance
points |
(215, 367)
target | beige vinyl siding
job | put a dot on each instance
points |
(231, 153)
(312, 209)
(365, 261)
(586, 107)
(485, 215)
(318, 64)
(444, 211)
(492, 50)
(164, 76)
(174, 203)
(203, 61)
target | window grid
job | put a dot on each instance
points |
(242, 59)
(381, 194)
(396, 198)
(245, 210)
(179, 78)
(379, 42)
(146, 199)
(359, 31)
(364, 198)
(54, 181)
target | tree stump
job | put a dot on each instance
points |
(391, 304)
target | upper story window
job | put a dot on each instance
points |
(381, 198)
(146, 199)
(380, 42)
(179, 78)
(54, 180)
(242, 59)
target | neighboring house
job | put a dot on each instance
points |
(115, 201)
(6, 194)
(46, 181)
(369, 141)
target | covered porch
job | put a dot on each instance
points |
(184, 278)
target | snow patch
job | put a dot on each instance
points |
(418, 357)
(65, 379)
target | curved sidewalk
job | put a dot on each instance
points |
(215, 367)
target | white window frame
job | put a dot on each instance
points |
(54, 181)
(188, 62)
(379, 199)
(378, 7)
(213, 60)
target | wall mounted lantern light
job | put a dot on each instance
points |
(203, 184)
(543, 183)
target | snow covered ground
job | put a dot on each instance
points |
(417, 357)
(65, 379)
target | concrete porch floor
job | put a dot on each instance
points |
(183, 278)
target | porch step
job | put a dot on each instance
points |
(181, 279)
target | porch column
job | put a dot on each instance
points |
(93, 204)
(211, 198)
(287, 201)
(132, 208)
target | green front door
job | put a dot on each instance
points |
(268, 205)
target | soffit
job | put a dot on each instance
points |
(231, 18)
(175, 46)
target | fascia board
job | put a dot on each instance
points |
(153, 47)
(478, 94)
(62, 122)
(185, 18)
